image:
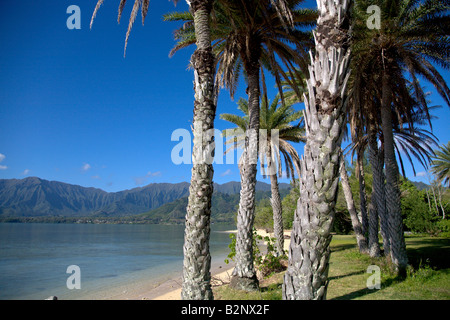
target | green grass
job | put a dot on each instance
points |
(428, 274)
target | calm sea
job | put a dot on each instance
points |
(34, 257)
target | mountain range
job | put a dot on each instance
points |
(35, 197)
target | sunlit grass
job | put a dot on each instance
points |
(428, 274)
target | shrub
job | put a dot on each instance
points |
(267, 263)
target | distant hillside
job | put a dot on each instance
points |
(223, 207)
(38, 197)
(420, 185)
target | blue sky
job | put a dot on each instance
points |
(73, 109)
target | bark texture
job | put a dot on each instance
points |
(275, 200)
(197, 259)
(362, 195)
(393, 204)
(357, 228)
(277, 215)
(307, 275)
(377, 204)
(244, 273)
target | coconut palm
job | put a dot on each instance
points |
(275, 121)
(413, 36)
(440, 166)
(309, 251)
(249, 36)
(197, 258)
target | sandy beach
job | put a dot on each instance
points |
(171, 289)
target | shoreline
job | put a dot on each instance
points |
(217, 274)
(168, 287)
(165, 287)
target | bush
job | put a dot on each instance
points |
(444, 228)
(267, 263)
(417, 216)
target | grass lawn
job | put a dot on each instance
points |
(428, 275)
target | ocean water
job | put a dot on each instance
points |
(34, 257)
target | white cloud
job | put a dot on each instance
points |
(85, 167)
(25, 172)
(421, 174)
(226, 173)
(143, 179)
(2, 157)
(96, 177)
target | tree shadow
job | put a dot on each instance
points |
(346, 275)
(342, 247)
(366, 291)
(431, 252)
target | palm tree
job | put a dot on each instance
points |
(276, 121)
(440, 166)
(409, 139)
(309, 252)
(413, 36)
(357, 227)
(197, 259)
(249, 36)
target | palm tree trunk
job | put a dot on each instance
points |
(393, 204)
(197, 259)
(307, 275)
(377, 205)
(382, 210)
(275, 199)
(360, 238)
(244, 274)
(362, 195)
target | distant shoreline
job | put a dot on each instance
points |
(95, 220)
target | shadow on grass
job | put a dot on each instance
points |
(346, 275)
(367, 291)
(432, 252)
(271, 287)
(342, 247)
(428, 251)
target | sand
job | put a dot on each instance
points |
(171, 290)
(169, 286)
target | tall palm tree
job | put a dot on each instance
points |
(276, 120)
(309, 252)
(440, 166)
(197, 259)
(410, 140)
(249, 36)
(357, 227)
(413, 36)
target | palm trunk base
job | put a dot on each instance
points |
(244, 283)
(374, 250)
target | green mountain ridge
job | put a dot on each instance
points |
(223, 207)
(35, 197)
